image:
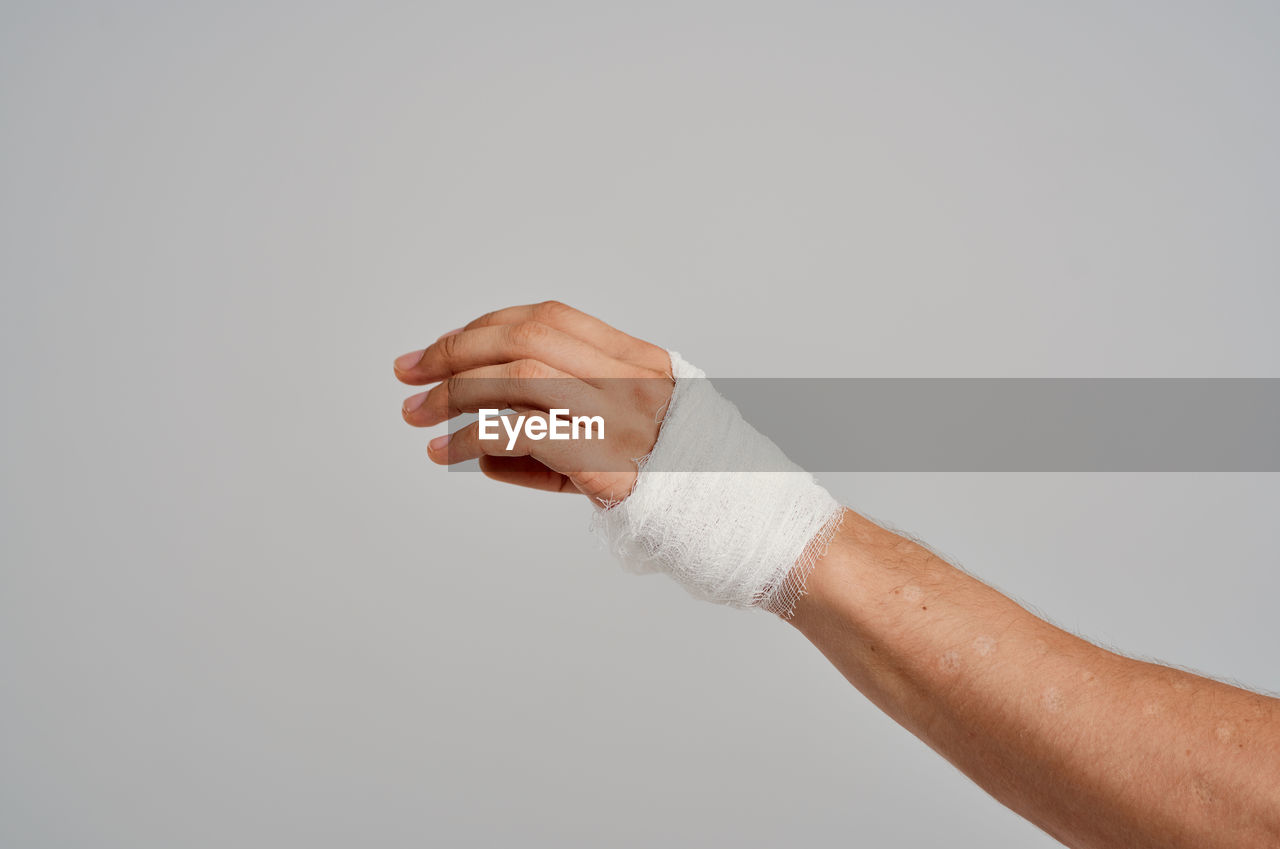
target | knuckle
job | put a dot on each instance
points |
(528, 335)
(453, 390)
(528, 371)
(655, 358)
(551, 310)
(636, 440)
(649, 393)
(450, 347)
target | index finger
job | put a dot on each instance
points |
(494, 345)
(588, 328)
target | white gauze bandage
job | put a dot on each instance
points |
(719, 507)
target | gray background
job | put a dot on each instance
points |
(238, 606)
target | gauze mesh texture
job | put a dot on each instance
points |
(718, 506)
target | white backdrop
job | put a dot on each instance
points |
(238, 606)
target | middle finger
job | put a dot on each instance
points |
(522, 383)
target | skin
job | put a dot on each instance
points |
(1097, 749)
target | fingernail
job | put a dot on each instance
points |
(451, 332)
(439, 443)
(408, 361)
(413, 402)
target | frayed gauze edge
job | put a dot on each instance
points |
(747, 537)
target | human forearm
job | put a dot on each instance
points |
(1098, 749)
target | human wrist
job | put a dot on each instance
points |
(719, 507)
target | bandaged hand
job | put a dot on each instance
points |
(680, 483)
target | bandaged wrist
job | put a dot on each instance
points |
(719, 507)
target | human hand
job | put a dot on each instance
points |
(531, 359)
